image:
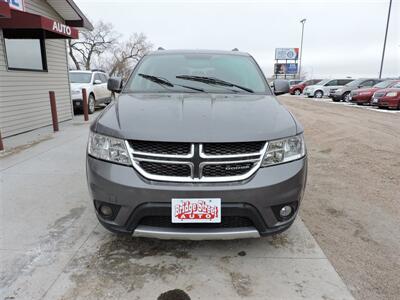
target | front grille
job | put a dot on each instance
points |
(217, 170)
(164, 148)
(166, 169)
(226, 222)
(187, 162)
(232, 148)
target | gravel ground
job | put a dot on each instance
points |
(352, 202)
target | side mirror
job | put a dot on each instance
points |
(114, 84)
(281, 86)
(97, 81)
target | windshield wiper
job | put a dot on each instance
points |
(213, 81)
(163, 81)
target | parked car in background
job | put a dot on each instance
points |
(323, 88)
(364, 96)
(95, 83)
(297, 89)
(387, 98)
(294, 81)
(343, 93)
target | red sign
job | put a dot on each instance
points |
(60, 28)
(196, 210)
(24, 20)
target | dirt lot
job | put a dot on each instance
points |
(352, 203)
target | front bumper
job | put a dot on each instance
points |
(389, 102)
(77, 103)
(336, 97)
(256, 199)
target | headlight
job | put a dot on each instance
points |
(338, 90)
(284, 150)
(391, 94)
(364, 93)
(76, 92)
(108, 148)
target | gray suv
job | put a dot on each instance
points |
(196, 147)
(343, 93)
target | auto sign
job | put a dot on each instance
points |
(196, 210)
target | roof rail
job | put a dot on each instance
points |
(98, 70)
(235, 49)
(160, 48)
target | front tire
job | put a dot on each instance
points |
(346, 97)
(318, 94)
(91, 104)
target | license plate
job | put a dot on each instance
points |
(204, 210)
(374, 100)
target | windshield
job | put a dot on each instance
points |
(397, 85)
(76, 77)
(197, 73)
(355, 82)
(383, 84)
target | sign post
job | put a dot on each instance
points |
(289, 67)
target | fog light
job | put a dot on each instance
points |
(106, 211)
(285, 211)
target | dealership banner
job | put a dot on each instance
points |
(16, 4)
(282, 69)
(286, 53)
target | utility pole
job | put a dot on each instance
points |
(301, 45)
(384, 43)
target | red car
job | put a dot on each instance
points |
(297, 89)
(364, 96)
(387, 98)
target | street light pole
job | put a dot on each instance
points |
(301, 45)
(384, 43)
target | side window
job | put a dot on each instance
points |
(332, 83)
(104, 78)
(345, 81)
(368, 83)
(96, 77)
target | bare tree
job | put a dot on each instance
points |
(92, 44)
(128, 53)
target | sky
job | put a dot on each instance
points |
(341, 38)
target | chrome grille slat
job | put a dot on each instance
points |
(223, 165)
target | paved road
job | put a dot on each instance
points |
(352, 201)
(51, 246)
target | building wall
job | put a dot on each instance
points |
(24, 95)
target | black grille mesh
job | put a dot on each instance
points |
(227, 169)
(178, 170)
(232, 148)
(226, 222)
(161, 147)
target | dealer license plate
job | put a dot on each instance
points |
(204, 210)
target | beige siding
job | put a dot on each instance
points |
(41, 7)
(24, 98)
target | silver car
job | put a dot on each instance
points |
(196, 147)
(323, 88)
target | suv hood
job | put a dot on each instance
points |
(196, 118)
